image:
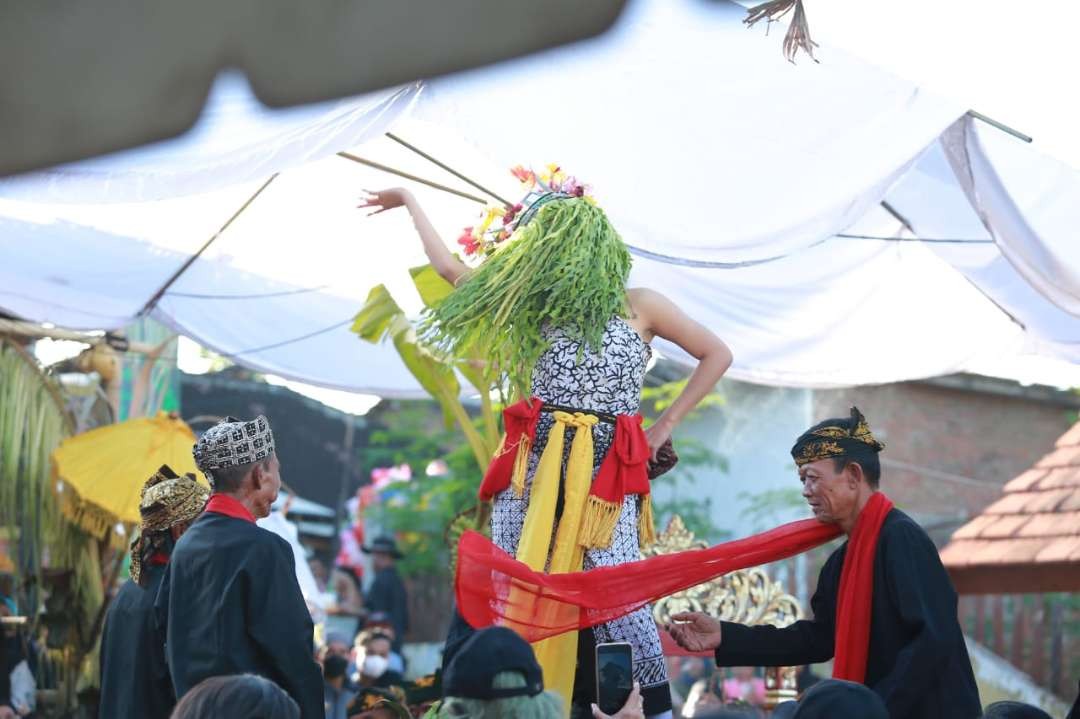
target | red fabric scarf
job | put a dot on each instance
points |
(624, 469)
(550, 604)
(519, 420)
(230, 507)
(855, 597)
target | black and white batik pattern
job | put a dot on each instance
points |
(606, 381)
(232, 443)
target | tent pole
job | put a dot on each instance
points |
(152, 302)
(414, 178)
(449, 169)
(1004, 128)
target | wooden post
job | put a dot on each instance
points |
(1016, 656)
(999, 625)
(1057, 639)
(1038, 643)
(980, 619)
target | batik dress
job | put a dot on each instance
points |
(607, 381)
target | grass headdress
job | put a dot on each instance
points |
(553, 260)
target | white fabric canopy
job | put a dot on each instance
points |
(741, 182)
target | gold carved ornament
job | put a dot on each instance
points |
(745, 596)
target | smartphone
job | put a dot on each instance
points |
(614, 675)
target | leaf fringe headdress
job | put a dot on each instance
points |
(552, 261)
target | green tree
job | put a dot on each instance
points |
(694, 456)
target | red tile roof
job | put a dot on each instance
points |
(1030, 535)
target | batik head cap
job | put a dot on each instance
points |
(166, 501)
(233, 443)
(835, 438)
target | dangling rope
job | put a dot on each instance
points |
(798, 34)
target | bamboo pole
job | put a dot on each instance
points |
(408, 176)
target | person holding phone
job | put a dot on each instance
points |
(549, 307)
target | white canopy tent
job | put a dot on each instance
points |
(746, 187)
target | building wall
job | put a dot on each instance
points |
(950, 444)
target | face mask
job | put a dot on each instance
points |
(375, 666)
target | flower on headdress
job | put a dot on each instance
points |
(526, 176)
(468, 241)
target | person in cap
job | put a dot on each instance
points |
(229, 600)
(495, 675)
(387, 593)
(884, 605)
(135, 681)
(838, 698)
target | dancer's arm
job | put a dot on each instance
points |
(660, 316)
(442, 259)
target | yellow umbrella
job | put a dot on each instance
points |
(101, 473)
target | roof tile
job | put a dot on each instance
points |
(1008, 525)
(1049, 500)
(1058, 550)
(1035, 521)
(1070, 438)
(1012, 503)
(1058, 478)
(1070, 503)
(1026, 480)
(1061, 457)
(1051, 524)
(974, 528)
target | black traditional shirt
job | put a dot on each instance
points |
(918, 662)
(135, 681)
(230, 604)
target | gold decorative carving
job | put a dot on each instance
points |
(746, 596)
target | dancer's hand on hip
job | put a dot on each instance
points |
(695, 631)
(384, 200)
(657, 433)
(632, 709)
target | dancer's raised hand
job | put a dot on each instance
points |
(384, 200)
(695, 631)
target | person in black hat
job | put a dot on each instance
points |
(1014, 710)
(495, 675)
(387, 593)
(837, 698)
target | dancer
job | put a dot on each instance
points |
(549, 305)
(884, 605)
(135, 680)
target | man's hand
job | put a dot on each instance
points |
(632, 709)
(695, 631)
(7, 712)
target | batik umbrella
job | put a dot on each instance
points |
(100, 473)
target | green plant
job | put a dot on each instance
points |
(382, 318)
(694, 456)
(419, 511)
(770, 507)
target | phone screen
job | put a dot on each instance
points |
(614, 676)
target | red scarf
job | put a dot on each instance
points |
(230, 507)
(624, 469)
(856, 593)
(550, 604)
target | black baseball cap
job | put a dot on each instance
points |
(472, 671)
(837, 698)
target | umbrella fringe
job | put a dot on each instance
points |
(89, 517)
(798, 34)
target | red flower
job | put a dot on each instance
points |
(470, 243)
